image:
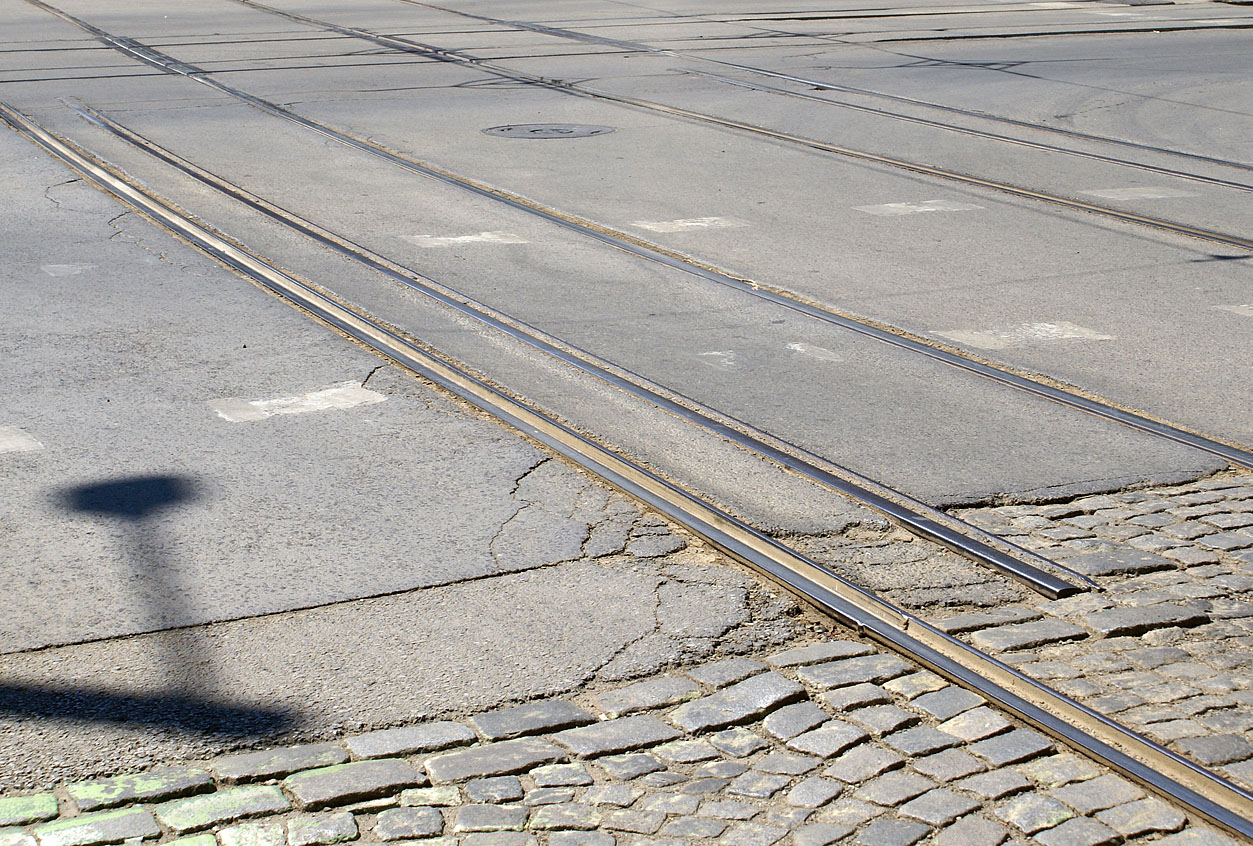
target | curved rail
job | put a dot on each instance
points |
(1025, 382)
(1196, 788)
(1037, 572)
(639, 47)
(458, 57)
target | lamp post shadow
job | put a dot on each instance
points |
(187, 700)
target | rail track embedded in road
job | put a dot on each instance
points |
(1029, 383)
(460, 57)
(1040, 574)
(639, 47)
(1194, 787)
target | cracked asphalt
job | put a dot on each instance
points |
(233, 537)
(385, 563)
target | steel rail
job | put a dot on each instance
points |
(1199, 790)
(459, 57)
(1041, 574)
(976, 133)
(639, 47)
(644, 249)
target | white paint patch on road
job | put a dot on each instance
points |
(428, 241)
(13, 439)
(1137, 193)
(895, 209)
(341, 396)
(684, 224)
(1245, 310)
(820, 353)
(1023, 334)
(720, 358)
(1058, 4)
(65, 269)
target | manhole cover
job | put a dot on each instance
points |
(548, 130)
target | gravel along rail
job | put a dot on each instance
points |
(1026, 382)
(1198, 789)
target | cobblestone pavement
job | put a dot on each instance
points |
(623, 595)
(835, 741)
(1165, 647)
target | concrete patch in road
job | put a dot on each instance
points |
(1245, 310)
(13, 439)
(820, 353)
(341, 396)
(684, 224)
(433, 241)
(1022, 334)
(1144, 193)
(896, 209)
(65, 269)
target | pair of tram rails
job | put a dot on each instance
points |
(1198, 789)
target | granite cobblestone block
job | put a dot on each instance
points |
(408, 823)
(1081, 831)
(99, 828)
(725, 672)
(506, 757)
(866, 669)
(276, 763)
(1026, 635)
(565, 817)
(23, 810)
(252, 833)
(197, 812)
(321, 829)
(413, 740)
(647, 695)
(354, 782)
(611, 737)
(532, 718)
(829, 650)
(738, 703)
(490, 818)
(153, 786)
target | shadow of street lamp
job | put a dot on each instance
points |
(136, 504)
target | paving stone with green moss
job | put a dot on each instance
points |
(23, 810)
(98, 829)
(197, 812)
(166, 783)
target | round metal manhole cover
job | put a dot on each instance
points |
(548, 130)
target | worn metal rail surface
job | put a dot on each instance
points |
(1040, 574)
(460, 57)
(1199, 790)
(1029, 383)
(1074, 134)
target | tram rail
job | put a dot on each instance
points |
(1198, 789)
(460, 57)
(639, 47)
(1026, 382)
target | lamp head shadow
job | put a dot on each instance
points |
(131, 498)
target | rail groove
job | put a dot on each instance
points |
(639, 47)
(458, 57)
(977, 133)
(628, 243)
(1037, 572)
(1199, 790)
